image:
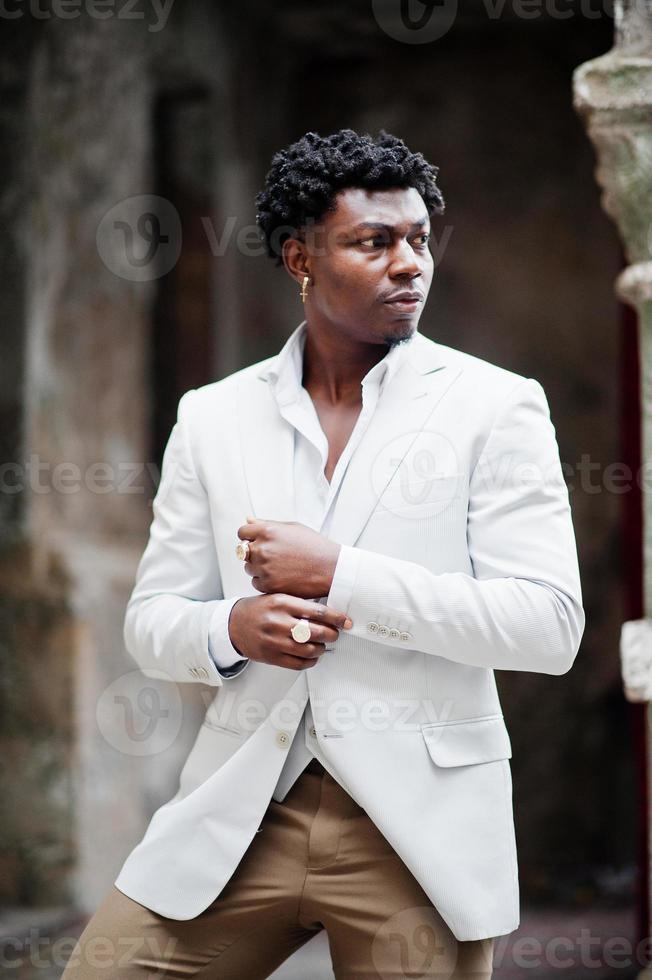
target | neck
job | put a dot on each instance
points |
(335, 363)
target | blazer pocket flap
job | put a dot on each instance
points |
(464, 743)
(417, 496)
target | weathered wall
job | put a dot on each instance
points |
(36, 718)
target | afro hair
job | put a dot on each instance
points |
(304, 179)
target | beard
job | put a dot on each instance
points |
(393, 341)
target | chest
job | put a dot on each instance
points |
(337, 423)
(251, 467)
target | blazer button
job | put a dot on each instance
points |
(283, 740)
(405, 635)
(372, 627)
(203, 672)
(394, 634)
(383, 631)
(192, 671)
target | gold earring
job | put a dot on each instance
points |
(304, 287)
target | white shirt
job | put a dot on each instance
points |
(315, 500)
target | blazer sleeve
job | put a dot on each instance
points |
(177, 600)
(521, 609)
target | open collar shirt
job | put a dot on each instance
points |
(314, 499)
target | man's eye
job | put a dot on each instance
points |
(372, 242)
(423, 239)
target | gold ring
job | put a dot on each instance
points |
(242, 550)
(301, 631)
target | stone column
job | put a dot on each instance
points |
(613, 95)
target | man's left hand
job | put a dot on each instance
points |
(285, 556)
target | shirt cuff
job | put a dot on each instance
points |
(225, 656)
(346, 570)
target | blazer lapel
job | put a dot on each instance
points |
(267, 444)
(405, 407)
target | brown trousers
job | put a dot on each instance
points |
(318, 862)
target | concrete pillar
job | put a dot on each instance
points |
(613, 95)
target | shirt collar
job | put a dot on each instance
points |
(285, 373)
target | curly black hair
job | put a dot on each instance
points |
(304, 179)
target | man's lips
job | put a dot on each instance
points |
(405, 299)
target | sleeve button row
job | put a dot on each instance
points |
(385, 631)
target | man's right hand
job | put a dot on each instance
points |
(259, 628)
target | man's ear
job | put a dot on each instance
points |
(296, 259)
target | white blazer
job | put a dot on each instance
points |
(466, 562)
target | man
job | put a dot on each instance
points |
(348, 539)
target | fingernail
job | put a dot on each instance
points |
(347, 623)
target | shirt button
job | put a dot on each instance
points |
(383, 631)
(405, 635)
(312, 731)
(283, 740)
(394, 634)
(372, 627)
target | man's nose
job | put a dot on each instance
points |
(404, 261)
